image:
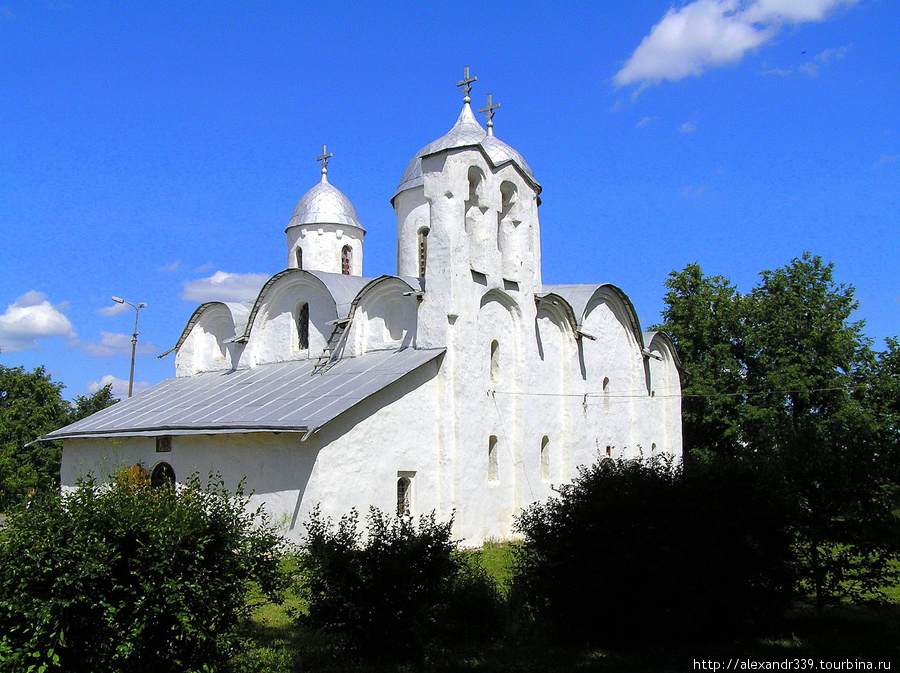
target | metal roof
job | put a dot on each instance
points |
(324, 204)
(466, 132)
(279, 397)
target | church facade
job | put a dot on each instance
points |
(462, 385)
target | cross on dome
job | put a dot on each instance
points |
(326, 155)
(466, 84)
(488, 111)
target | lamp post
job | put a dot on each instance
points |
(137, 309)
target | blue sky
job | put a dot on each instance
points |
(148, 150)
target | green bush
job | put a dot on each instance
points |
(122, 577)
(638, 550)
(396, 592)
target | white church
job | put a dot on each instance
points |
(462, 385)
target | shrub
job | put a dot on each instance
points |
(396, 591)
(636, 550)
(122, 577)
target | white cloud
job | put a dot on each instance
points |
(114, 344)
(688, 127)
(222, 286)
(203, 268)
(174, 266)
(119, 386)
(32, 317)
(709, 33)
(643, 122)
(115, 309)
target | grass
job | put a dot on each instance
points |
(273, 644)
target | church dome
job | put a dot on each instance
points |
(466, 132)
(324, 204)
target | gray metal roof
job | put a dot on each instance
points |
(466, 132)
(324, 204)
(279, 397)
(579, 296)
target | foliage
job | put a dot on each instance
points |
(31, 405)
(640, 550)
(806, 397)
(396, 591)
(122, 577)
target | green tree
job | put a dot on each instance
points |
(85, 405)
(30, 405)
(705, 318)
(123, 577)
(799, 371)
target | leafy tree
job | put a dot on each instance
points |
(799, 371)
(124, 577)
(705, 318)
(635, 550)
(30, 405)
(85, 405)
(397, 590)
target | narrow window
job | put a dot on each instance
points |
(403, 488)
(606, 394)
(164, 444)
(346, 259)
(423, 250)
(493, 465)
(495, 361)
(608, 451)
(303, 327)
(299, 258)
(162, 475)
(545, 459)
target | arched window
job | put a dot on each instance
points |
(346, 260)
(493, 463)
(507, 201)
(545, 459)
(303, 327)
(403, 488)
(423, 250)
(606, 394)
(162, 475)
(495, 361)
(299, 258)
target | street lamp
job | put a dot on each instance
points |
(137, 309)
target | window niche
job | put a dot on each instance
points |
(162, 476)
(493, 461)
(405, 493)
(164, 444)
(346, 260)
(302, 321)
(545, 459)
(423, 250)
(495, 361)
(299, 257)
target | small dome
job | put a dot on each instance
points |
(465, 133)
(324, 204)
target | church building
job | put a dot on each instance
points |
(462, 385)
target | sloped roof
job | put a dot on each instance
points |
(279, 397)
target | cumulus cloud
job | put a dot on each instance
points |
(114, 344)
(709, 33)
(222, 286)
(119, 386)
(32, 317)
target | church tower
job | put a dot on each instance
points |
(467, 218)
(324, 233)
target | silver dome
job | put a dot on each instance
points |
(324, 204)
(465, 133)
